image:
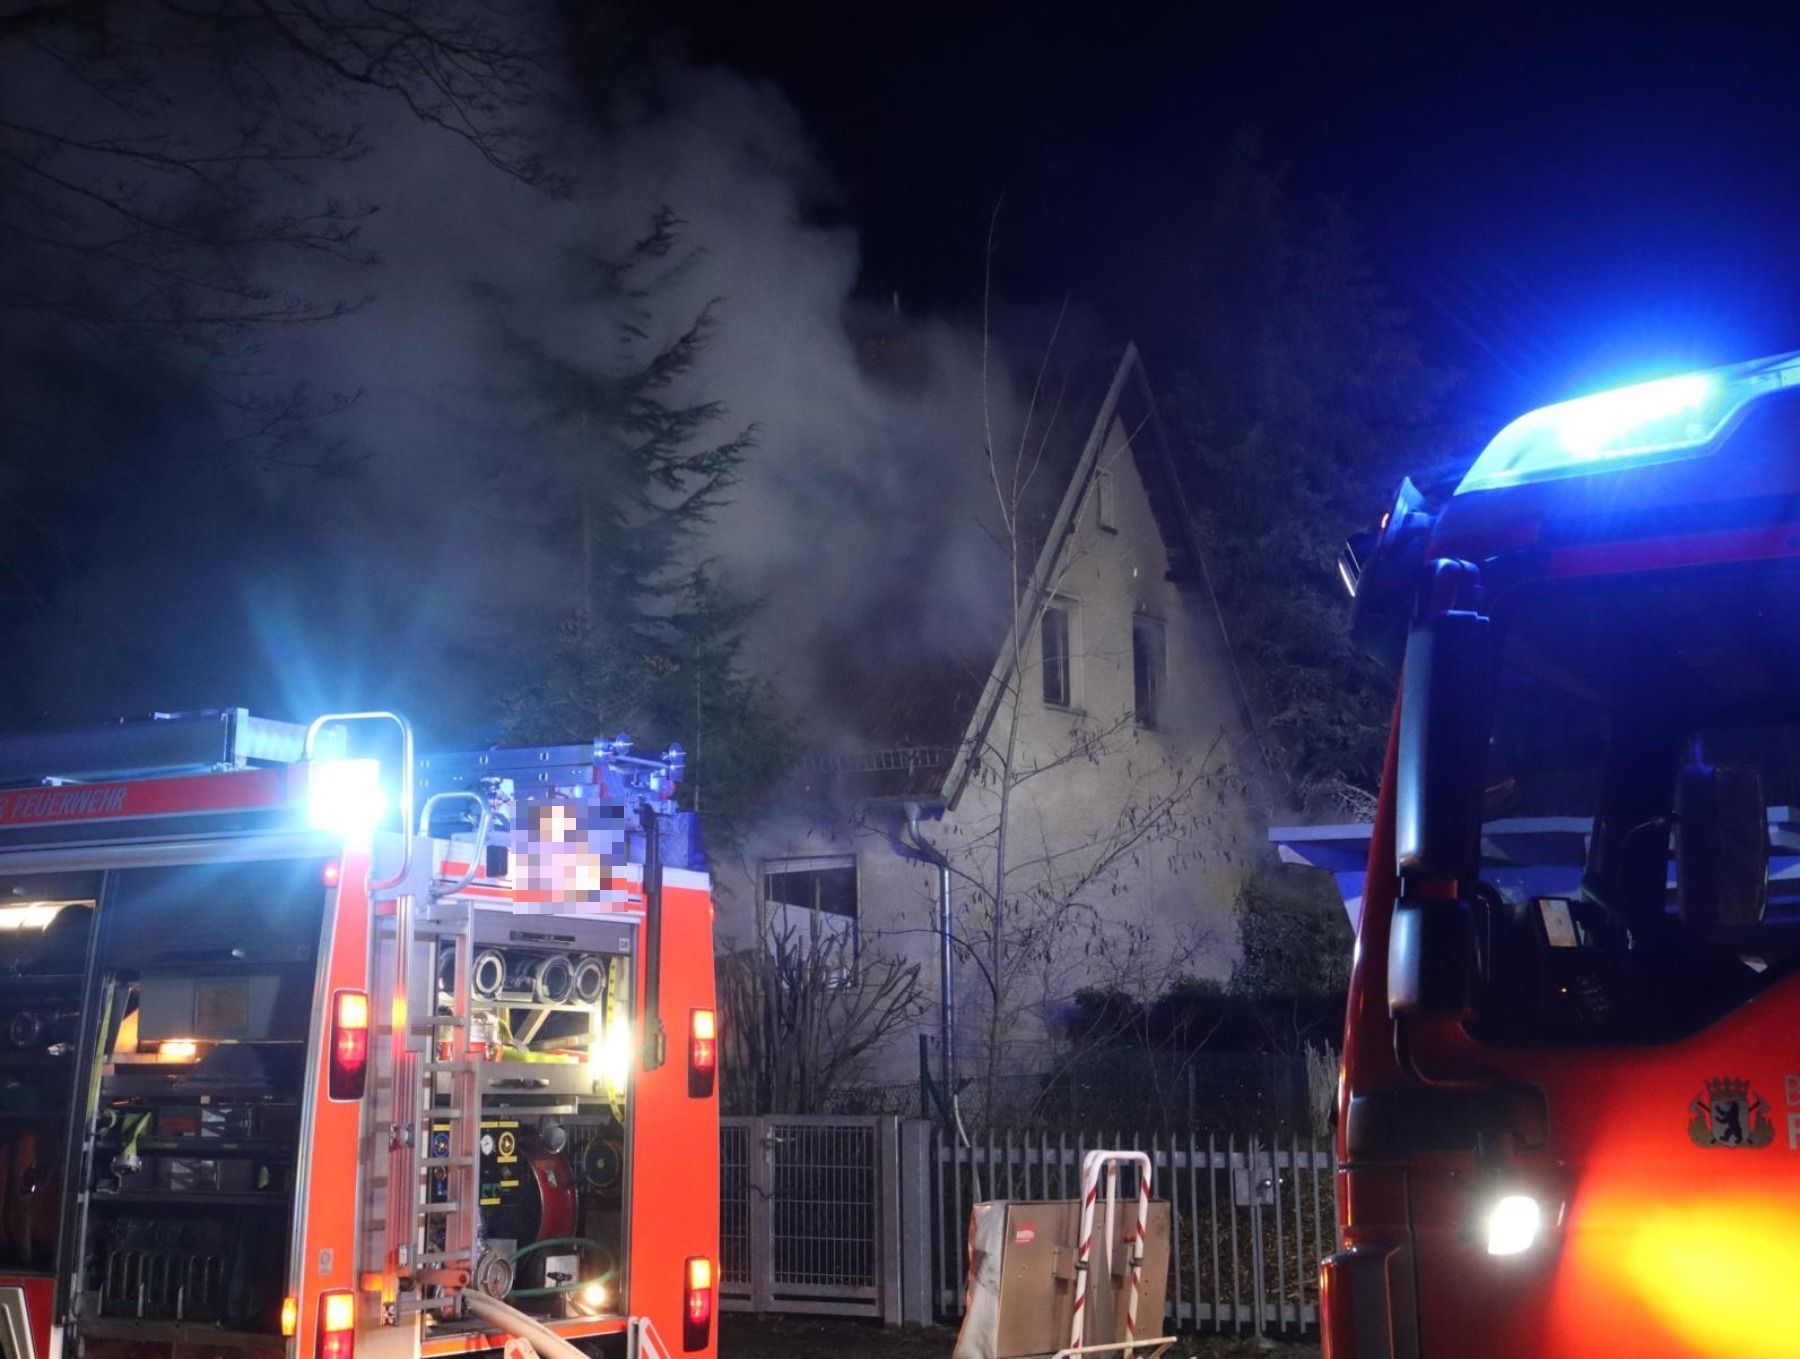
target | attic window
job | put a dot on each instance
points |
(1103, 501)
(1148, 653)
(1059, 687)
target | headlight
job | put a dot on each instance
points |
(1513, 1225)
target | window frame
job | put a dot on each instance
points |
(1147, 625)
(1067, 608)
(1106, 510)
(786, 865)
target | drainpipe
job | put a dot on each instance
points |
(922, 849)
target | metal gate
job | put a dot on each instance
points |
(810, 1215)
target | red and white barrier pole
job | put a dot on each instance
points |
(1090, 1193)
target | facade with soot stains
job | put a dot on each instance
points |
(1100, 725)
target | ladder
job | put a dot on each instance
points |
(434, 1147)
(443, 1182)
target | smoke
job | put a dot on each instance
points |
(863, 512)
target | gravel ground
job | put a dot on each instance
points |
(747, 1337)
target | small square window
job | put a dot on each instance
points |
(1058, 673)
(1147, 666)
(1103, 501)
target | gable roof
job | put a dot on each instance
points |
(910, 718)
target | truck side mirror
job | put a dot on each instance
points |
(1431, 959)
(1446, 713)
(1721, 847)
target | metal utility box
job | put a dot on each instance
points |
(1021, 1288)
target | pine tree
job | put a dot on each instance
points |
(629, 469)
(1305, 401)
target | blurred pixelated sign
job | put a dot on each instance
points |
(572, 851)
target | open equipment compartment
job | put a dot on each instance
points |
(204, 986)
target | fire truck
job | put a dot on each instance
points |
(1569, 1113)
(311, 1047)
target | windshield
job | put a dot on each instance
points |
(1641, 862)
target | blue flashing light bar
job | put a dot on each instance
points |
(1661, 421)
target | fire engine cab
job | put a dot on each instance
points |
(314, 1048)
(1569, 1117)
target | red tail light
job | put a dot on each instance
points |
(337, 1325)
(349, 1044)
(703, 1052)
(697, 1310)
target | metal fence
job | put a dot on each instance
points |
(809, 1215)
(1250, 1220)
(866, 1216)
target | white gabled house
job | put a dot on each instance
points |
(1090, 763)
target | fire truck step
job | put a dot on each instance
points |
(442, 1022)
(440, 1209)
(433, 1161)
(464, 1065)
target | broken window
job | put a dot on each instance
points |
(813, 906)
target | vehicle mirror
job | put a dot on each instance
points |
(1445, 715)
(1721, 847)
(1431, 959)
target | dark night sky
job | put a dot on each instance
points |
(1562, 199)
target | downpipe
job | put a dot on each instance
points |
(916, 846)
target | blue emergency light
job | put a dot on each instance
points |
(1661, 421)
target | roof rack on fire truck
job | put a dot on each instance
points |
(603, 771)
(158, 745)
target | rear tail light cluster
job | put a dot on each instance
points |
(349, 1045)
(697, 1304)
(703, 1053)
(337, 1325)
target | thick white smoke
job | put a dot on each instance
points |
(866, 493)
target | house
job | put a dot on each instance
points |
(1085, 758)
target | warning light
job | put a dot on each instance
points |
(331, 873)
(290, 1314)
(337, 1325)
(703, 1053)
(697, 1308)
(177, 1050)
(344, 796)
(1673, 417)
(349, 1045)
(1513, 1223)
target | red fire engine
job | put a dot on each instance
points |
(309, 1048)
(1569, 1118)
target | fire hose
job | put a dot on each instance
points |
(514, 1322)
